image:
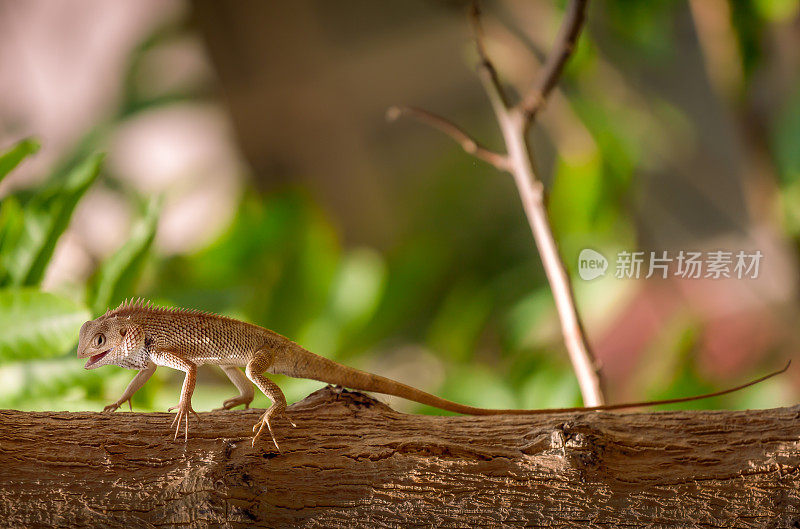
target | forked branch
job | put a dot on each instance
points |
(486, 70)
(563, 48)
(514, 123)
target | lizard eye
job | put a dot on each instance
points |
(99, 340)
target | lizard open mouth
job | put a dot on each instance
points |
(96, 358)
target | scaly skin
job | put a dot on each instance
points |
(138, 335)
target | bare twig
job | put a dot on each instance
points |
(446, 126)
(531, 190)
(486, 70)
(514, 123)
(562, 50)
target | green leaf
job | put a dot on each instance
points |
(46, 216)
(117, 276)
(13, 156)
(35, 324)
(11, 223)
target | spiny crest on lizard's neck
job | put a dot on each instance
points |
(130, 306)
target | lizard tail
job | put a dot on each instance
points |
(305, 364)
(302, 363)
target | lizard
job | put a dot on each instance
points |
(139, 335)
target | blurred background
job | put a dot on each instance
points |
(234, 157)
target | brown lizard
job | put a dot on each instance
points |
(138, 335)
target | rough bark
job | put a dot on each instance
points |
(353, 462)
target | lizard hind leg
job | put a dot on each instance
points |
(255, 367)
(245, 387)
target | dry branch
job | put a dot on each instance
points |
(470, 145)
(352, 462)
(554, 65)
(514, 124)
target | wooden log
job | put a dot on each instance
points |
(354, 462)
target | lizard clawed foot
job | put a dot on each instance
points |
(233, 402)
(113, 407)
(183, 411)
(265, 419)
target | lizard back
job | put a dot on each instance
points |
(201, 337)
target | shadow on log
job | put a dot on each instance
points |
(354, 462)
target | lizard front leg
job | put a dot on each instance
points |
(260, 362)
(134, 386)
(175, 361)
(245, 387)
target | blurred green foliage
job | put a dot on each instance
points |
(280, 261)
(36, 324)
(31, 235)
(37, 328)
(13, 156)
(116, 278)
(462, 301)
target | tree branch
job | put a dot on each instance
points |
(562, 50)
(486, 70)
(352, 462)
(514, 124)
(446, 126)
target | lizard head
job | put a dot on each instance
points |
(112, 340)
